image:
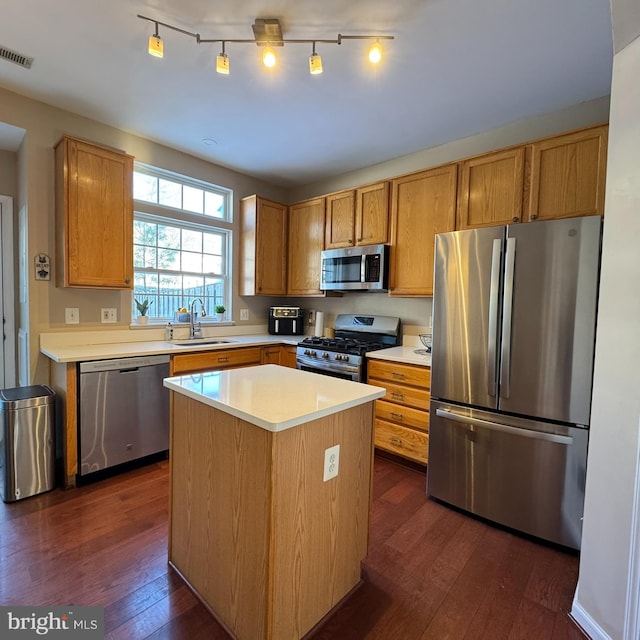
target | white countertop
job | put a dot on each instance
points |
(273, 397)
(404, 354)
(84, 352)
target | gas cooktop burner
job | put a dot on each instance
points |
(343, 345)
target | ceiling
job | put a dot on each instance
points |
(454, 69)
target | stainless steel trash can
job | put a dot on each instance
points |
(27, 441)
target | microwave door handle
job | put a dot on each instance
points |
(363, 268)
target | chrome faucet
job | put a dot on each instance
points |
(195, 331)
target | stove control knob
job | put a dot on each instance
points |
(325, 355)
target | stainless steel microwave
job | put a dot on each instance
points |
(364, 268)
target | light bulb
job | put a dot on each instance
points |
(375, 52)
(269, 57)
(156, 47)
(222, 64)
(315, 64)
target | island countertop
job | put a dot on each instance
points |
(273, 397)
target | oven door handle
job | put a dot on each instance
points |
(314, 364)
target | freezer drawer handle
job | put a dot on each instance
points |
(487, 424)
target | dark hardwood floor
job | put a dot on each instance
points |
(431, 572)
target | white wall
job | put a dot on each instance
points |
(605, 596)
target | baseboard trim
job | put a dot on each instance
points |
(587, 623)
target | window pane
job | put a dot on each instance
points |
(144, 233)
(212, 243)
(145, 257)
(145, 187)
(211, 264)
(192, 261)
(213, 205)
(168, 237)
(193, 200)
(169, 259)
(170, 194)
(192, 240)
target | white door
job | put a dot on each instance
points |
(7, 301)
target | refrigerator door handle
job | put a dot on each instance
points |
(492, 331)
(495, 426)
(507, 312)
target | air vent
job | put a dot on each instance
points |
(15, 57)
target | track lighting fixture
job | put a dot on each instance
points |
(156, 47)
(268, 34)
(222, 62)
(315, 62)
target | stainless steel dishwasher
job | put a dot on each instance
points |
(124, 411)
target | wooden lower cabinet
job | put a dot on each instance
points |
(281, 354)
(402, 416)
(215, 359)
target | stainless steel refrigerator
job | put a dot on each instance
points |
(514, 314)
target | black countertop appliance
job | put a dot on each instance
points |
(286, 321)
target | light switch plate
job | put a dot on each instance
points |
(331, 462)
(72, 315)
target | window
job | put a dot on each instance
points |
(181, 242)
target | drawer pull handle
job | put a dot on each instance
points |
(396, 441)
(397, 396)
(397, 416)
(397, 374)
(223, 359)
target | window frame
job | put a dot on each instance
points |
(145, 211)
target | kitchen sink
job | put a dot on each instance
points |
(194, 342)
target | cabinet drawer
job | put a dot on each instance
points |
(402, 373)
(218, 359)
(407, 396)
(402, 441)
(407, 416)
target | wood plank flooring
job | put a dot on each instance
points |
(431, 572)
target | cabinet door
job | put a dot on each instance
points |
(263, 247)
(490, 189)
(422, 204)
(372, 214)
(339, 228)
(306, 241)
(94, 205)
(271, 355)
(568, 175)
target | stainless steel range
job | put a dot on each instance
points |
(344, 355)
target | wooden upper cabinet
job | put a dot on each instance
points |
(568, 175)
(422, 204)
(340, 220)
(372, 214)
(490, 189)
(358, 216)
(94, 216)
(263, 247)
(306, 241)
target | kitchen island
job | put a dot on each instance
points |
(258, 527)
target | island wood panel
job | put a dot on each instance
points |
(320, 531)
(266, 544)
(220, 516)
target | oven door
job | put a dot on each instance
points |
(343, 370)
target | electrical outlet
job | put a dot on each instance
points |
(331, 462)
(312, 317)
(72, 315)
(108, 315)
(244, 314)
